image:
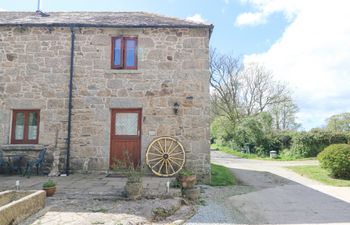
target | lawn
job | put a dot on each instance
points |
(319, 174)
(221, 176)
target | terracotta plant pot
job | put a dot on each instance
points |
(133, 190)
(188, 181)
(191, 193)
(50, 191)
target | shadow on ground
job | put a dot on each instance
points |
(265, 198)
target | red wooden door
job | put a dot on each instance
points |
(126, 136)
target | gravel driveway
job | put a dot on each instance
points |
(262, 197)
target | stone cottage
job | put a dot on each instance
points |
(90, 84)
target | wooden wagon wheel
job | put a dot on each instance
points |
(165, 156)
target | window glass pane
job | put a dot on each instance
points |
(117, 52)
(130, 52)
(19, 129)
(32, 126)
(126, 123)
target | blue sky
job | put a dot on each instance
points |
(227, 37)
(305, 43)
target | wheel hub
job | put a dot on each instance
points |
(165, 156)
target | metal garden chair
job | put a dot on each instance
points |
(3, 163)
(15, 164)
(38, 163)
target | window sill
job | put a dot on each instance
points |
(116, 71)
(22, 147)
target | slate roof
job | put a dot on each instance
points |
(96, 19)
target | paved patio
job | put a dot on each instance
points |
(97, 199)
(88, 185)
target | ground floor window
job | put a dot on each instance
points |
(25, 126)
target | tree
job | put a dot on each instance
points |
(240, 91)
(284, 115)
(259, 91)
(225, 82)
(339, 122)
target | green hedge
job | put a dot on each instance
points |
(309, 144)
(257, 132)
(336, 159)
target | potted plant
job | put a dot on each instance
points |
(49, 187)
(133, 186)
(187, 179)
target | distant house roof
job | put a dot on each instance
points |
(95, 19)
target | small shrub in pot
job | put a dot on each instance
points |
(187, 179)
(49, 187)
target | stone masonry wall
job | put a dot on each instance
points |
(172, 67)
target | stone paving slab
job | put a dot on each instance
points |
(85, 184)
(97, 199)
(70, 218)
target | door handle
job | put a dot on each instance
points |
(138, 132)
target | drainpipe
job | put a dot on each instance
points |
(70, 106)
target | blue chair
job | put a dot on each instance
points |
(3, 163)
(38, 163)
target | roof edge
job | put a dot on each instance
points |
(210, 26)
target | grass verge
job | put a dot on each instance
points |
(319, 174)
(234, 152)
(221, 176)
(252, 155)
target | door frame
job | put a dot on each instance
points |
(112, 129)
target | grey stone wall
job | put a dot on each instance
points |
(172, 67)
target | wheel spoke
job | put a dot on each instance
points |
(175, 162)
(157, 163)
(151, 153)
(151, 160)
(177, 153)
(171, 144)
(172, 168)
(161, 167)
(160, 146)
(154, 147)
(166, 167)
(176, 158)
(175, 147)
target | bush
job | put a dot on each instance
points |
(309, 144)
(336, 159)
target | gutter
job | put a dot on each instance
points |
(70, 99)
(211, 28)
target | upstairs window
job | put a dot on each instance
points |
(124, 53)
(25, 127)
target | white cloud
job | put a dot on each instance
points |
(197, 18)
(313, 55)
(2, 10)
(265, 8)
(227, 2)
(250, 19)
